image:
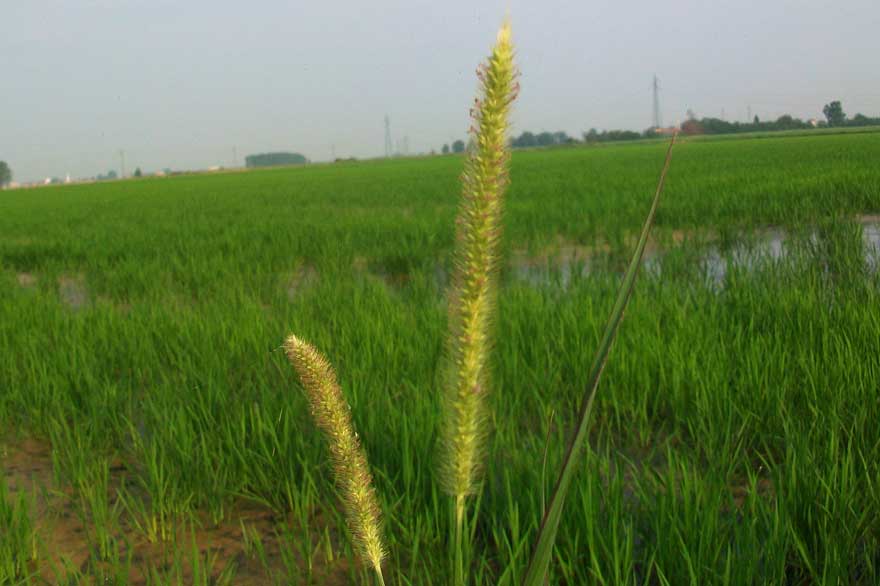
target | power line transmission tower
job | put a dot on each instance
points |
(389, 148)
(657, 121)
(122, 163)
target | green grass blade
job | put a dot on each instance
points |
(540, 561)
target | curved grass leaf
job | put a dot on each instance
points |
(540, 561)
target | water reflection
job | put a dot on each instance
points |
(714, 261)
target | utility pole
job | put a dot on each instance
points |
(332, 152)
(234, 157)
(122, 163)
(749, 114)
(389, 148)
(657, 121)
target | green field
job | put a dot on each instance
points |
(154, 432)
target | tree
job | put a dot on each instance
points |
(445, 149)
(545, 139)
(458, 146)
(787, 122)
(591, 136)
(562, 138)
(718, 126)
(525, 140)
(617, 135)
(5, 174)
(834, 114)
(691, 127)
(862, 120)
(137, 172)
(757, 120)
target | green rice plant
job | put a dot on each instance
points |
(18, 539)
(166, 503)
(113, 566)
(303, 552)
(472, 299)
(100, 519)
(332, 414)
(188, 564)
(252, 543)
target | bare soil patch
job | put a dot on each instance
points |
(26, 280)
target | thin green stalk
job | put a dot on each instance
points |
(459, 539)
(540, 562)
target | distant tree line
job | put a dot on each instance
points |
(862, 120)
(594, 136)
(719, 126)
(542, 139)
(524, 140)
(529, 139)
(833, 111)
(274, 159)
(835, 117)
(5, 174)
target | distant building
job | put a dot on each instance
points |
(274, 159)
(669, 131)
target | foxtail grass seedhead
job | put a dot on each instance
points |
(332, 415)
(472, 298)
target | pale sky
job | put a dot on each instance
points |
(180, 83)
